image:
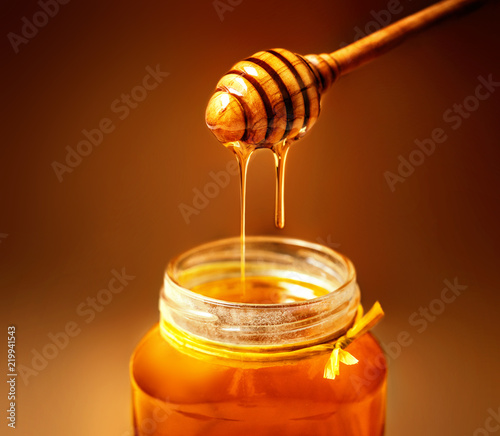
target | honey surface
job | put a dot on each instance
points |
(260, 290)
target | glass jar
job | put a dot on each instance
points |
(249, 358)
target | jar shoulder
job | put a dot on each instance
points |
(162, 371)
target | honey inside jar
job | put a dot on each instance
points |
(223, 362)
(260, 290)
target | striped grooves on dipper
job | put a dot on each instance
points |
(278, 92)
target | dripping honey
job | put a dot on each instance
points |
(243, 152)
(176, 392)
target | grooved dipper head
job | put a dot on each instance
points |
(266, 98)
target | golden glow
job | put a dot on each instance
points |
(241, 81)
(234, 91)
(224, 98)
(251, 71)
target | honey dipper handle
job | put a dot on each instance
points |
(332, 66)
(381, 41)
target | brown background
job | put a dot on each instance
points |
(120, 207)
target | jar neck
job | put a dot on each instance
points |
(268, 325)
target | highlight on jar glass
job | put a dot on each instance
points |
(285, 351)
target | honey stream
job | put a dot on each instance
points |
(243, 152)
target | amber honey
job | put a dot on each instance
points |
(224, 362)
(289, 399)
(260, 290)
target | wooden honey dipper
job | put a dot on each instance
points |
(275, 94)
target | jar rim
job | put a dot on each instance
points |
(311, 320)
(171, 270)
